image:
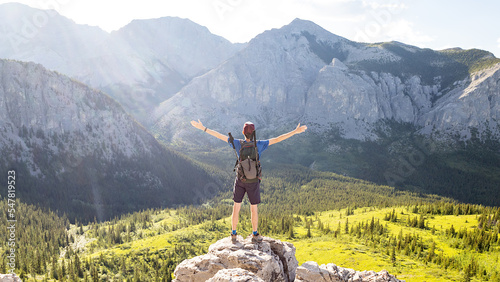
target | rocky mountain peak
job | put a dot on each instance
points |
(188, 48)
(299, 25)
(271, 260)
(301, 33)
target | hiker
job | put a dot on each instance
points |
(247, 180)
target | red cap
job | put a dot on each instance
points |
(248, 128)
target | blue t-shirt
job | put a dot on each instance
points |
(261, 145)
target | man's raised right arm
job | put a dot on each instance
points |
(214, 133)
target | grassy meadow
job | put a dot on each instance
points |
(153, 242)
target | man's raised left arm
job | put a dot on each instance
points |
(282, 137)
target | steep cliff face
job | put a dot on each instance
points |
(43, 104)
(472, 109)
(77, 151)
(355, 101)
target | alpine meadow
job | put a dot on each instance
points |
(398, 170)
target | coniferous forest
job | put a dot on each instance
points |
(406, 233)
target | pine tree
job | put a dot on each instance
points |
(393, 256)
(78, 266)
(54, 270)
(467, 273)
(63, 269)
(290, 232)
(421, 222)
(431, 253)
(3, 266)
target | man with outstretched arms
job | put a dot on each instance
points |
(248, 169)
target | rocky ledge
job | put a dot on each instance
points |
(9, 278)
(270, 260)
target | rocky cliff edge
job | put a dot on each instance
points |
(271, 260)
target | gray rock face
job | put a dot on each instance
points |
(302, 73)
(310, 271)
(235, 275)
(473, 104)
(271, 260)
(355, 101)
(43, 103)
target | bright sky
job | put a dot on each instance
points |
(435, 24)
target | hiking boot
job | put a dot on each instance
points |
(233, 238)
(256, 238)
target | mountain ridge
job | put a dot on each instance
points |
(296, 71)
(76, 150)
(129, 64)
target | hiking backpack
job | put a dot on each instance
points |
(247, 165)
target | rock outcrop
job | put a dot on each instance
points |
(310, 271)
(235, 275)
(9, 278)
(271, 260)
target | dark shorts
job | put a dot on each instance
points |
(252, 189)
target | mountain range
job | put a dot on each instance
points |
(140, 65)
(303, 73)
(297, 72)
(420, 119)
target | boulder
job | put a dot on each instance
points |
(270, 260)
(311, 271)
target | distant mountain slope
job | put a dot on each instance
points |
(302, 72)
(46, 37)
(76, 150)
(139, 65)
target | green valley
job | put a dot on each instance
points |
(328, 217)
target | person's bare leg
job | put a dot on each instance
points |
(255, 224)
(255, 217)
(235, 216)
